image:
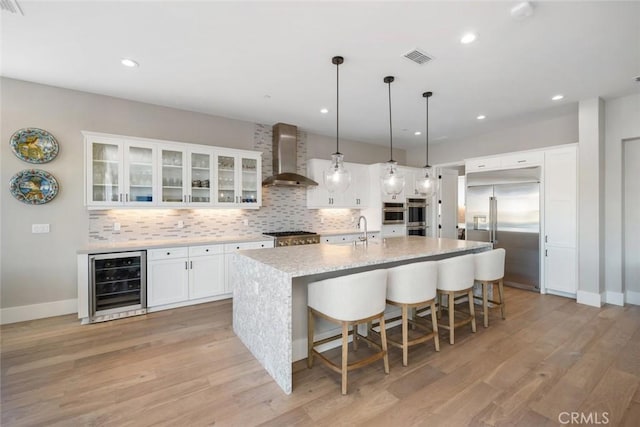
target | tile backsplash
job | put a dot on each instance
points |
(283, 208)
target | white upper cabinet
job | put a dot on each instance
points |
(124, 171)
(119, 172)
(355, 197)
(506, 161)
(239, 179)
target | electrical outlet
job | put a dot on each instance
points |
(245, 222)
(39, 228)
(181, 224)
(116, 226)
(321, 220)
(353, 219)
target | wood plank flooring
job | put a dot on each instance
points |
(185, 367)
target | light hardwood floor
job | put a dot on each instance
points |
(185, 367)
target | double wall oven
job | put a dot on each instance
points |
(413, 214)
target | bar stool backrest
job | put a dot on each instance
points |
(490, 265)
(456, 273)
(412, 283)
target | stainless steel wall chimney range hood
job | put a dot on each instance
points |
(285, 154)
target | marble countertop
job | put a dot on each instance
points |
(306, 260)
(136, 245)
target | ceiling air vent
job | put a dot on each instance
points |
(11, 6)
(417, 56)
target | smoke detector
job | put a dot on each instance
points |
(522, 11)
(11, 6)
(418, 56)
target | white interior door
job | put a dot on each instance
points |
(631, 231)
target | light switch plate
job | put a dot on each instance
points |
(116, 226)
(39, 228)
(180, 224)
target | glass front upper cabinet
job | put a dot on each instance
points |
(250, 180)
(172, 176)
(201, 169)
(105, 176)
(139, 170)
(227, 180)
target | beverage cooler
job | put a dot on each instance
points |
(117, 285)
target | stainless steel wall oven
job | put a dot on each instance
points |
(416, 217)
(393, 213)
(117, 285)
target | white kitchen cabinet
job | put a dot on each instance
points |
(349, 237)
(206, 271)
(560, 219)
(505, 161)
(119, 172)
(125, 171)
(229, 251)
(356, 196)
(167, 276)
(239, 179)
(394, 230)
(177, 275)
(447, 207)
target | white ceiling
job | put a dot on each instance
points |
(225, 58)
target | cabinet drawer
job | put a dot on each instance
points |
(524, 159)
(475, 165)
(205, 250)
(342, 238)
(232, 247)
(167, 253)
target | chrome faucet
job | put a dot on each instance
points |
(364, 237)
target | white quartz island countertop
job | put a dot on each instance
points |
(269, 289)
(323, 258)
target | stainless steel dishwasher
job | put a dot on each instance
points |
(118, 285)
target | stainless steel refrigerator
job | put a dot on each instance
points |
(503, 207)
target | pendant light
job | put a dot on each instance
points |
(425, 184)
(392, 179)
(337, 179)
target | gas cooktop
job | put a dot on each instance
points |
(293, 238)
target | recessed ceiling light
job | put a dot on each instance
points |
(324, 111)
(481, 117)
(468, 38)
(129, 63)
(416, 133)
(557, 97)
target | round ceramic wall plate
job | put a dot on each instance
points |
(34, 145)
(33, 186)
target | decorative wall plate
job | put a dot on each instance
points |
(33, 186)
(34, 145)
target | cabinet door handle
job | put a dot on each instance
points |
(127, 197)
(120, 196)
(206, 250)
(189, 198)
(480, 166)
(546, 240)
(546, 253)
(168, 253)
(191, 265)
(522, 161)
(186, 267)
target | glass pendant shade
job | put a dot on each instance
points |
(425, 183)
(392, 180)
(337, 179)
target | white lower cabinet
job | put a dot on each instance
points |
(349, 238)
(229, 251)
(177, 275)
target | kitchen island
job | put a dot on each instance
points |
(269, 296)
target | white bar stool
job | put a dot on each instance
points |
(349, 301)
(455, 278)
(489, 271)
(413, 286)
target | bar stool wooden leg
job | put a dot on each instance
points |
(405, 333)
(434, 323)
(355, 337)
(383, 338)
(451, 310)
(310, 330)
(345, 352)
(485, 303)
(472, 310)
(501, 291)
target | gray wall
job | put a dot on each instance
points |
(622, 117)
(38, 268)
(562, 129)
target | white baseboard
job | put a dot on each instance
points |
(38, 311)
(615, 298)
(633, 297)
(589, 298)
